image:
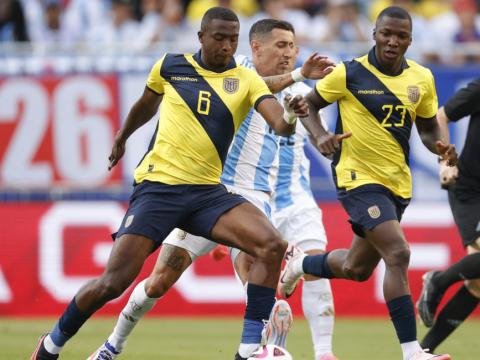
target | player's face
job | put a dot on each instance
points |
(276, 53)
(219, 42)
(392, 37)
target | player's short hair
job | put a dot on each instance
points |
(394, 12)
(219, 13)
(265, 26)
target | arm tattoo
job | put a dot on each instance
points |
(169, 257)
(277, 83)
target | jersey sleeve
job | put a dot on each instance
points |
(333, 86)
(429, 102)
(464, 102)
(258, 90)
(155, 81)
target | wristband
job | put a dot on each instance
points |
(297, 75)
(289, 118)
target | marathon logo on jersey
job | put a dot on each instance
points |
(374, 212)
(413, 92)
(230, 85)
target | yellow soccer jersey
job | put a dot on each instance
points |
(200, 112)
(379, 111)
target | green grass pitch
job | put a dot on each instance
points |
(208, 339)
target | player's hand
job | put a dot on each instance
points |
(297, 105)
(317, 67)
(447, 152)
(448, 174)
(219, 252)
(329, 143)
(118, 150)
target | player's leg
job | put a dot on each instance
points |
(462, 304)
(356, 263)
(435, 284)
(247, 228)
(126, 259)
(177, 253)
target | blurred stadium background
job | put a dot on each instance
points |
(69, 72)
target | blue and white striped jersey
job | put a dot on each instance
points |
(253, 152)
(293, 178)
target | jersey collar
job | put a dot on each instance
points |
(198, 58)
(372, 59)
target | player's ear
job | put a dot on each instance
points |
(255, 45)
(374, 34)
(200, 36)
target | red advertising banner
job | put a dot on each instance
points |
(57, 131)
(50, 249)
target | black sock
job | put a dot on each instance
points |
(465, 269)
(452, 315)
(402, 314)
(317, 265)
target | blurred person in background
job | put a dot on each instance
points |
(463, 184)
(12, 21)
(342, 22)
(119, 28)
(280, 10)
(53, 31)
(83, 16)
(461, 26)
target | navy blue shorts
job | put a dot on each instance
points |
(156, 209)
(370, 205)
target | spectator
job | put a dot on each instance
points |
(12, 21)
(83, 16)
(342, 22)
(119, 27)
(458, 27)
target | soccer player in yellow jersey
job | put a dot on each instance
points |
(204, 99)
(380, 96)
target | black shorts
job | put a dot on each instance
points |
(466, 215)
(155, 209)
(370, 205)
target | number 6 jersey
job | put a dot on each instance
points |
(200, 112)
(379, 111)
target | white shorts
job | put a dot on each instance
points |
(198, 246)
(301, 224)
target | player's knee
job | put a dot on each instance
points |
(157, 285)
(273, 248)
(109, 288)
(357, 273)
(473, 287)
(399, 256)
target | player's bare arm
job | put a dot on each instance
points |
(434, 140)
(281, 120)
(324, 141)
(314, 68)
(141, 112)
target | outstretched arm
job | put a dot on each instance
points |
(325, 142)
(436, 139)
(314, 68)
(140, 113)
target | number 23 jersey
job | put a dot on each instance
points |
(200, 112)
(379, 110)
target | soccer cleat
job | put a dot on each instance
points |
(277, 327)
(328, 357)
(41, 353)
(424, 355)
(429, 299)
(104, 352)
(292, 272)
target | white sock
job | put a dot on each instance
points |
(245, 350)
(138, 304)
(409, 349)
(317, 304)
(50, 345)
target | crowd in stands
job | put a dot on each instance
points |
(445, 31)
